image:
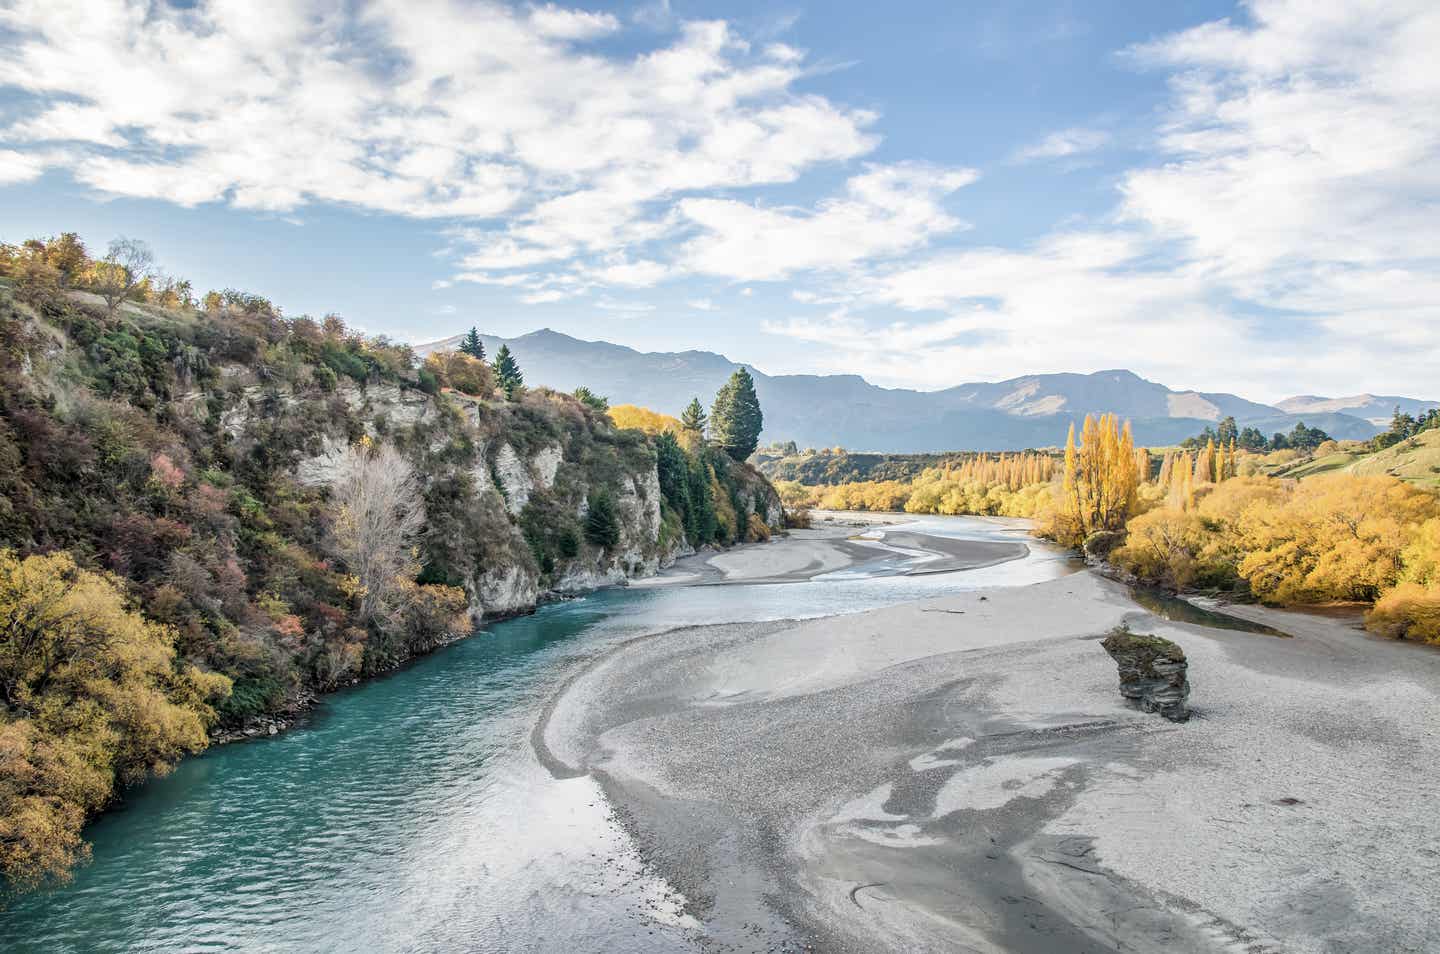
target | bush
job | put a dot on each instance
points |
(1409, 611)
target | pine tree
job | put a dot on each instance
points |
(602, 526)
(472, 345)
(693, 418)
(735, 418)
(507, 372)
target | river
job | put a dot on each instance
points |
(410, 813)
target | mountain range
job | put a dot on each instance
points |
(846, 410)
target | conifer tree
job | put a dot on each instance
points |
(472, 345)
(735, 418)
(693, 418)
(602, 526)
(507, 372)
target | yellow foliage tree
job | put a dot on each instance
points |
(643, 419)
(92, 694)
(1099, 481)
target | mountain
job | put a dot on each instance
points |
(846, 410)
(1375, 408)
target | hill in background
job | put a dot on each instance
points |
(847, 410)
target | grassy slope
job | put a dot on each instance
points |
(1416, 460)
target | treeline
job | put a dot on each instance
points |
(1328, 538)
(831, 466)
(1226, 433)
(1403, 427)
(1008, 485)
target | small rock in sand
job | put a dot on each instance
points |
(1152, 672)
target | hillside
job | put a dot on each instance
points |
(209, 516)
(847, 410)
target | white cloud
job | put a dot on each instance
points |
(462, 109)
(886, 211)
(625, 307)
(1286, 236)
(702, 304)
(1065, 143)
(19, 166)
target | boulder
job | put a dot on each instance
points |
(1152, 672)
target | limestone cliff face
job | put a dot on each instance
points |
(508, 484)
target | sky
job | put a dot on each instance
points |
(1223, 197)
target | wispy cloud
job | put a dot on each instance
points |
(1063, 144)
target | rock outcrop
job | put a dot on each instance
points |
(512, 481)
(1153, 672)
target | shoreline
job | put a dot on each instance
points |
(961, 774)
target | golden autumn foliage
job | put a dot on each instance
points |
(1009, 485)
(454, 369)
(92, 696)
(1099, 482)
(1332, 537)
(643, 419)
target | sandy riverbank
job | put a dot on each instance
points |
(879, 544)
(960, 774)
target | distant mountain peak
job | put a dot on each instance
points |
(825, 410)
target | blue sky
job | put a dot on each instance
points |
(1216, 196)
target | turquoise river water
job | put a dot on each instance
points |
(410, 814)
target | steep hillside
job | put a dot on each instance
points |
(195, 454)
(847, 410)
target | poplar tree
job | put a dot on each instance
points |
(735, 418)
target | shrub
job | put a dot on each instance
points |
(1409, 611)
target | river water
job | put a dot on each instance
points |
(410, 813)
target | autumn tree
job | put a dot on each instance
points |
(735, 417)
(1099, 481)
(643, 419)
(126, 264)
(472, 345)
(377, 522)
(91, 695)
(461, 371)
(507, 372)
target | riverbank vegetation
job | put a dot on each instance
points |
(1288, 526)
(210, 512)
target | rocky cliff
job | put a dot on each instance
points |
(511, 479)
(192, 455)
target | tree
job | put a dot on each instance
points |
(1226, 431)
(602, 526)
(67, 254)
(126, 264)
(1099, 481)
(693, 419)
(472, 345)
(377, 522)
(91, 694)
(455, 369)
(592, 400)
(507, 372)
(735, 417)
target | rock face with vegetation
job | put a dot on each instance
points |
(1152, 672)
(269, 508)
